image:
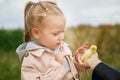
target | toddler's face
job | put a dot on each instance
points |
(53, 32)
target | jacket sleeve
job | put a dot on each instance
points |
(42, 68)
(105, 72)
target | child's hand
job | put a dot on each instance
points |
(79, 52)
(60, 56)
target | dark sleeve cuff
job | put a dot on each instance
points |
(105, 72)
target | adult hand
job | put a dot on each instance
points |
(92, 61)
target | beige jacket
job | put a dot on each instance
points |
(38, 63)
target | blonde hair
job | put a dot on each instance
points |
(35, 13)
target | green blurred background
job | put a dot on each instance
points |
(106, 37)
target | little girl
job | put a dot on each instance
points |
(43, 55)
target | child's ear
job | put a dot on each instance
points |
(35, 33)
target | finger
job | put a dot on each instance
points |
(85, 65)
(76, 53)
(85, 45)
(81, 50)
(65, 54)
(81, 63)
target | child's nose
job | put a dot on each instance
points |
(61, 36)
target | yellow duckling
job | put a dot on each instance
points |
(89, 52)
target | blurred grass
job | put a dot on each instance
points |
(9, 66)
(106, 37)
(9, 62)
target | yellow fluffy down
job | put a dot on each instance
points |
(89, 52)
